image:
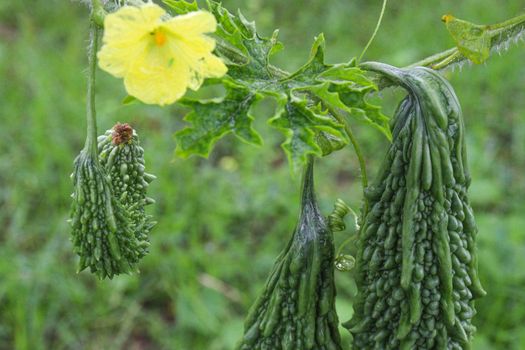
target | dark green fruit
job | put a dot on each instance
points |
(123, 159)
(417, 264)
(102, 233)
(296, 310)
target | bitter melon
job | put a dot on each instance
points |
(416, 264)
(122, 157)
(296, 309)
(102, 233)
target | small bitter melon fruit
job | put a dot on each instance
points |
(122, 157)
(102, 233)
(110, 226)
(416, 265)
(296, 309)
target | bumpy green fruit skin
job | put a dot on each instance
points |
(416, 263)
(122, 157)
(296, 310)
(102, 233)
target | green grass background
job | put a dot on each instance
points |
(222, 221)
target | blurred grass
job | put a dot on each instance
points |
(222, 221)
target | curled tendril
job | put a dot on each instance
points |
(336, 218)
(343, 262)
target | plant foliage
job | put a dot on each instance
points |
(307, 100)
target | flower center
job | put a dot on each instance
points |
(160, 38)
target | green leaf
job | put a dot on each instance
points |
(345, 73)
(472, 40)
(181, 7)
(330, 142)
(340, 98)
(213, 119)
(310, 101)
(363, 111)
(239, 45)
(315, 65)
(302, 125)
(128, 100)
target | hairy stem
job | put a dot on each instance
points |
(91, 115)
(97, 13)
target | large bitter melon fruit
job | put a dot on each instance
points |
(416, 264)
(296, 309)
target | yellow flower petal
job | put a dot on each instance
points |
(124, 34)
(159, 59)
(197, 56)
(193, 23)
(213, 67)
(154, 84)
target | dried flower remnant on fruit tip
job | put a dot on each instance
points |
(447, 18)
(159, 57)
(122, 133)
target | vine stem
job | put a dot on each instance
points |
(344, 244)
(378, 24)
(91, 114)
(359, 154)
(518, 20)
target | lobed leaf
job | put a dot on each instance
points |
(210, 120)
(307, 100)
(182, 7)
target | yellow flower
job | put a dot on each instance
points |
(159, 57)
